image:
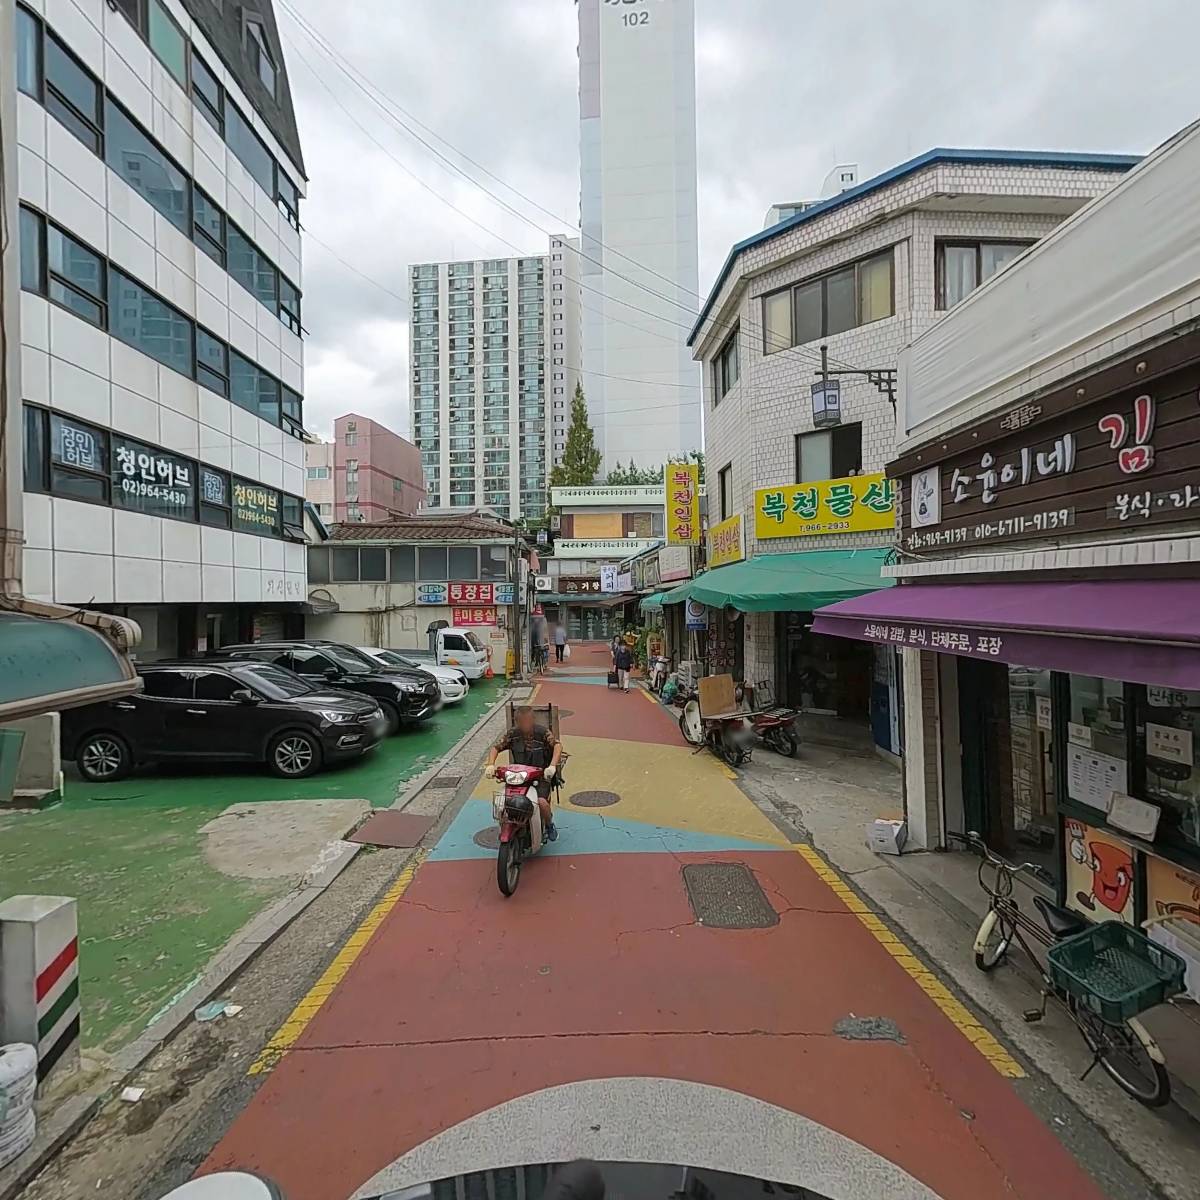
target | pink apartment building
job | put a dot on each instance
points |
(366, 473)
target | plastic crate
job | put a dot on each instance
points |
(1116, 971)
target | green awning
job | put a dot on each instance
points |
(651, 603)
(679, 593)
(48, 664)
(798, 582)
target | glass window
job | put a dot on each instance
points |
(995, 256)
(293, 510)
(255, 508)
(318, 564)
(345, 564)
(493, 562)
(76, 276)
(260, 55)
(431, 563)
(214, 498)
(289, 197)
(167, 41)
(29, 54)
(372, 564)
(72, 94)
(253, 389)
(959, 275)
(145, 167)
(32, 259)
(249, 148)
(207, 93)
(808, 314)
(875, 288)
(725, 478)
(208, 225)
(814, 457)
(841, 302)
(212, 362)
(1031, 827)
(293, 412)
(78, 460)
(402, 566)
(152, 481)
(1169, 733)
(727, 366)
(277, 683)
(242, 258)
(149, 324)
(777, 322)
(210, 685)
(168, 685)
(1096, 745)
(464, 562)
(289, 305)
(37, 450)
(266, 283)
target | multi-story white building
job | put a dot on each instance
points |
(489, 348)
(638, 264)
(864, 273)
(159, 177)
(566, 338)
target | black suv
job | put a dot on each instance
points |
(405, 694)
(200, 709)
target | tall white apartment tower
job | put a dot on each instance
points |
(638, 263)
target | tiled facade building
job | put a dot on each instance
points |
(863, 273)
(367, 473)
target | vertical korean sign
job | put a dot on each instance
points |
(682, 482)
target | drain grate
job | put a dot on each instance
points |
(445, 781)
(488, 838)
(594, 799)
(727, 896)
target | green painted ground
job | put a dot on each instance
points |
(152, 911)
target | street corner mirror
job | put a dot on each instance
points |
(246, 696)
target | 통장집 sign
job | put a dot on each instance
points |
(471, 593)
(854, 504)
(726, 542)
(683, 503)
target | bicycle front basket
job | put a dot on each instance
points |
(1115, 971)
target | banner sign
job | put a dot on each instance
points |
(431, 593)
(855, 504)
(683, 504)
(572, 585)
(608, 578)
(152, 481)
(696, 614)
(504, 593)
(471, 593)
(625, 581)
(726, 542)
(473, 616)
(255, 508)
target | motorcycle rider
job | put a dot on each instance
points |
(531, 745)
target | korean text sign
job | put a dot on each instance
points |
(855, 504)
(471, 593)
(726, 543)
(473, 616)
(682, 483)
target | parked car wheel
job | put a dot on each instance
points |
(104, 757)
(391, 717)
(294, 754)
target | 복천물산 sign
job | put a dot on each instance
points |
(854, 504)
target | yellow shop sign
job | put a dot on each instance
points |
(855, 504)
(726, 543)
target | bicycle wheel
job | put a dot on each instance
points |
(992, 941)
(1124, 1057)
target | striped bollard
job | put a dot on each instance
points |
(39, 979)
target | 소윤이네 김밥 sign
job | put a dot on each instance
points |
(1031, 472)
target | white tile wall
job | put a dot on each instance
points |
(136, 535)
(80, 392)
(130, 251)
(217, 584)
(76, 210)
(247, 550)
(181, 541)
(181, 582)
(38, 582)
(31, 177)
(38, 522)
(83, 579)
(138, 580)
(216, 547)
(31, 125)
(35, 322)
(35, 375)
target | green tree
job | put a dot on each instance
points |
(581, 459)
(696, 456)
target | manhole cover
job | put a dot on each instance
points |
(488, 838)
(727, 896)
(446, 781)
(594, 799)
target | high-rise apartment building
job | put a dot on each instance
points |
(484, 371)
(367, 473)
(159, 180)
(638, 265)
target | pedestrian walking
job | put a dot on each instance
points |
(623, 660)
(612, 648)
(560, 641)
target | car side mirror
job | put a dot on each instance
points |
(332, 673)
(246, 696)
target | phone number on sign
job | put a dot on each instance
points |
(1038, 522)
(154, 491)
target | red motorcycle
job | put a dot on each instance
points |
(774, 727)
(519, 816)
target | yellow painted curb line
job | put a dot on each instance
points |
(289, 1032)
(954, 1010)
(649, 696)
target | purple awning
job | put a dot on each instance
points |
(1142, 631)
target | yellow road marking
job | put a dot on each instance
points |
(288, 1033)
(649, 696)
(954, 1010)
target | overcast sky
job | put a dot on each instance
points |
(786, 89)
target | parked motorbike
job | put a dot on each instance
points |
(728, 736)
(660, 668)
(777, 731)
(519, 816)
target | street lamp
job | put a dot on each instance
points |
(884, 378)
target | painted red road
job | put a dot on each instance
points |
(598, 969)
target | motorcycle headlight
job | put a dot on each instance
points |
(334, 717)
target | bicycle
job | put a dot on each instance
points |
(1118, 1041)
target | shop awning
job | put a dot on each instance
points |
(651, 603)
(798, 582)
(47, 664)
(1141, 631)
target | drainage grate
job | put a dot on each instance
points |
(445, 781)
(488, 838)
(727, 896)
(594, 799)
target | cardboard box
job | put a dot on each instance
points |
(717, 696)
(887, 837)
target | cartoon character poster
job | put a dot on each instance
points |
(1172, 892)
(1100, 873)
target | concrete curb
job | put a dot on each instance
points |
(69, 1117)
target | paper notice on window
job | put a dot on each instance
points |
(1092, 778)
(1168, 744)
(1043, 712)
(1079, 735)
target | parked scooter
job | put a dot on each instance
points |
(728, 736)
(774, 727)
(660, 668)
(519, 816)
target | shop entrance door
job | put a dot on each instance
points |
(973, 731)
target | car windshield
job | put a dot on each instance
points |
(274, 682)
(393, 659)
(350, 660)
(476, 644)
